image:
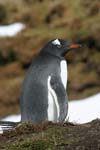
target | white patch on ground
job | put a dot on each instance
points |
(56, 42)
(14, 118)
(63, 66)
(52, 102)
(85, 110)
(11, 30)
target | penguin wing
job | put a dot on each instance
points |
(61, 101)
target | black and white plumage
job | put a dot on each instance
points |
(43, 96)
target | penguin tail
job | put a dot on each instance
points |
(7, 125)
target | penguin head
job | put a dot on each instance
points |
(59, 47)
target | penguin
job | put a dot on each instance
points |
(43, 96)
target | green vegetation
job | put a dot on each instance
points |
(50, 136)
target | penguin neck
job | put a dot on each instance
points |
(53, 55)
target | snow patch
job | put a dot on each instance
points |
(11, 30)
(14, 118)
(85, 110)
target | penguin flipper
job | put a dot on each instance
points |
(60, 91)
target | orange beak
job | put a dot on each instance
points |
(74, 46)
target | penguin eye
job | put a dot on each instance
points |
(58, 46)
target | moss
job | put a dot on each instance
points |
(54, 137)
(29, 144)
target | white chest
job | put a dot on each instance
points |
(53, 106)
(63, 66)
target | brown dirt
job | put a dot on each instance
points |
(52, 136)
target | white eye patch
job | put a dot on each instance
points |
(56, 42)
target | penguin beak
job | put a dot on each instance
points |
(75, 46)
(71, 47)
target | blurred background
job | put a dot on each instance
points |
(41, 21)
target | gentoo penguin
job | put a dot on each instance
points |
(43, 96)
